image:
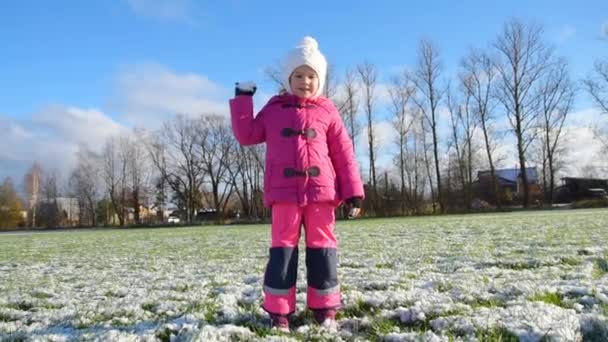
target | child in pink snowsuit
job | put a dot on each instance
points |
(310, 170)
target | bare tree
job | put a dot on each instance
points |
(10, 205)
(522, 60)
(348, 105)
(597, 85)
(114, 175)
(461, 141)
(426, 146)
(400, 93)
(330, 89)
(216, 144)
(426, 80)
(275, 75)
(415, 166)
(241, 178)
(32, 182)
(138, 169)
(478, 78)
(84, 183)
(557, 96)
(464, 124)
(174, 153)
(368, 76)
(49, 214)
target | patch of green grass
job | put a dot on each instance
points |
(4, 317)
(209, 309)
(351, 265)
(389, 265)
(572, 261)
(583, 251)
(101, 317)
(486, 303)
(496, 334)
(451, 312)
(250, 309)
(164, 335)
(600, 268)
(40, 295)
(149, 306)
(91, 319)
(51, 306)
(21, 305)
(444, 287)
(182, 288)
(383, 326)
(549, 298)
(422, 326)
(303, 317)
(258, 328)
(520, 265)
(359, 309)
(80, 325)
(216, 283)
(428, 260)
(114, 294)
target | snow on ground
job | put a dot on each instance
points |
(521, 276)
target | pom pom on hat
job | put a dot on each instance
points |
(306, 53)
(309, 42)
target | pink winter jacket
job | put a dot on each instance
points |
(309, 155)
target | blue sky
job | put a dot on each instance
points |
(72, 70)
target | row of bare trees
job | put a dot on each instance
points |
(191, 163)
(444, 133)
(518, 77)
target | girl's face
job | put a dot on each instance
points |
(304, 82)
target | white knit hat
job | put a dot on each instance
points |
(306, 53)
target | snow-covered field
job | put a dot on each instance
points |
(534, 276)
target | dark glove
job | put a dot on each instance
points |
(355, 202)
(245, 88)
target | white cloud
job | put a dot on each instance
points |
(78, 126)
(145, 95)
(150, 93)
(52, 138)
(165, 10)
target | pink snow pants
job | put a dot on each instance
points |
(323, 290)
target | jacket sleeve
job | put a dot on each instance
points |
(247, 129)
(343, 159)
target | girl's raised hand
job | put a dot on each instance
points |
(245, 88)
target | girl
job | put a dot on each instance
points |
(310, 170)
